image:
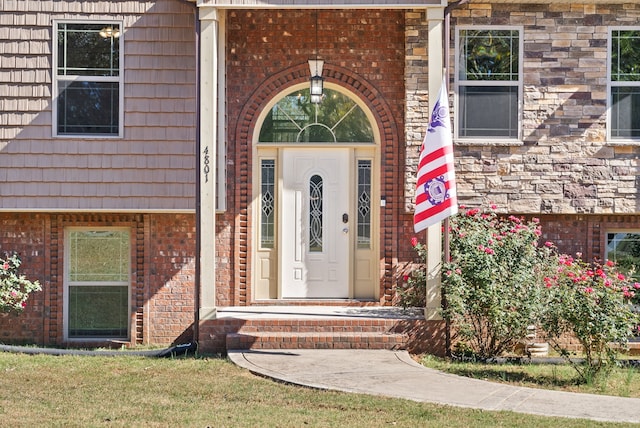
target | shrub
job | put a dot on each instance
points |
(492, 284)
(413, 292)
(14, 288)
(501, 281)
(592, 303)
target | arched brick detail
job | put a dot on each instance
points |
(390, 177)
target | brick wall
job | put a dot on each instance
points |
(26, 234)
(162, 279)
(268, 52)
(170, 290)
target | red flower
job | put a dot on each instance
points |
(414, 241)
(405, 278)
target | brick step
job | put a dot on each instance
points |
(320, 326)
(634, 348)
(325, 340)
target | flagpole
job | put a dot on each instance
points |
(446, 252)
(435, 196)
(446, 29)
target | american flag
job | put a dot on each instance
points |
(436, 187)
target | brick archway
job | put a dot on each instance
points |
(389, 156)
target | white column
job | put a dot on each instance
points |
(435, 19)
(207, 159)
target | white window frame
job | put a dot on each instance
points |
(458, 83)
(57, 78)
(611, 84)
(67, 283)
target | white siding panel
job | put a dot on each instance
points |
(153, 166)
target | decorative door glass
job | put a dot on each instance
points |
(315, 214)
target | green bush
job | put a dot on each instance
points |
(501, 281)
(492, 283)
(14, 288)
(591, 302)
(413, 292)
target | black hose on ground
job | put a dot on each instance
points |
(172, 351)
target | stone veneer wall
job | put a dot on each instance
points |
(417, 95)
(564, 165)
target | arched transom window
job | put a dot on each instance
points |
(294, 119)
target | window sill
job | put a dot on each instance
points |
(88, 137)
(490, 143)
(634, 143)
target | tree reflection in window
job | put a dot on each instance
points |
(89, 79)
(294, 119)
(624, 249)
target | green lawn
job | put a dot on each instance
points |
(622, 381)
(73, 391)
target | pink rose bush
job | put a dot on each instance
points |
(591, 302)
(14, 288)
(501, 280)
(493, 282)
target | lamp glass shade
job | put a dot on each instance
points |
(316, 85)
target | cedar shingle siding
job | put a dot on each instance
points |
(153, 166)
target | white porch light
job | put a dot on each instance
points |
(316, 81)
(315, 67)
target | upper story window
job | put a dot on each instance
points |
(624, 81)
(88, 84)
(488, 82)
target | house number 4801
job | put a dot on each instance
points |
(205, 164)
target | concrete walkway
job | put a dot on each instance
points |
(395, 374)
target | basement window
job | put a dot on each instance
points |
(97, 283)
(624, 249)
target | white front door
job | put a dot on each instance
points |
(315, 223)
